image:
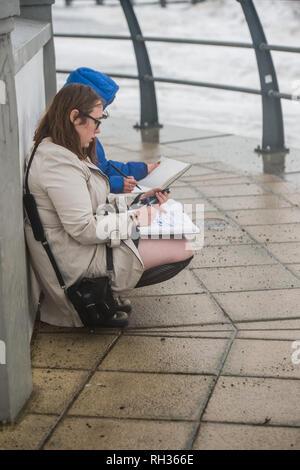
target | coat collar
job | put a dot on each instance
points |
(94, 167)
(87, 161)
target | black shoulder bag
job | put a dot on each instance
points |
(92, 298)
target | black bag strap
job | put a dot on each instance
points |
(28, 168)
(38, 230)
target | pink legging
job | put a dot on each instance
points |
(160, 251)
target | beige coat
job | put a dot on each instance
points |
(70, 194)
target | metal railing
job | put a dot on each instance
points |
(272, 119)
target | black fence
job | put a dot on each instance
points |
(272, 119)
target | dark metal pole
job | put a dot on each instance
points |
(273, 133)
(149, 114)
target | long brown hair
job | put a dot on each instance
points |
(56, 121)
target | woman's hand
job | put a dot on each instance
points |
(152, 166)
(161, 197)
(129, 184)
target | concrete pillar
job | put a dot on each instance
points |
(15, 371)
(42, 10)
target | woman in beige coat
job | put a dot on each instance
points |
(70, 192)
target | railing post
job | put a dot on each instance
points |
(273, 132)
(149, 114)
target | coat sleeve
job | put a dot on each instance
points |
(116, 184)
(136, 169)
(66, 186)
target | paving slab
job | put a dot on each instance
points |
(165, 354)
(170, 134)
(293, 178)
(74, 351)
(53, 389)
(194, 201)
(227, 255)
(230, 180)
(195, 160)
(275, 233)
(179, 184)
(192, 334)
(45, 328)
(125, 132)
(184, 283)
(215, 214)
(112, 434)
(286, 252)
(175, 310)
(239, 278)
(221, 166)
(295, 268)
(26, 433)
(231, 149)
(293, 199)
(183, 193)
(247, 189)
(240, 152)
(211, 175)
(281, 187)
(250, 306)
(266, 177)
(221, 436)
(271, 325)
(145, 396)
(285, 215)
(292, 335)
(215, 330)
(199, 170)
(261, 357)
(146, 151)
(267, 201)
(189, 328)
(230, 235)
(255, 400)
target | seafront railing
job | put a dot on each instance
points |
(272, 118)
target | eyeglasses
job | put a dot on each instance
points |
(105, 115)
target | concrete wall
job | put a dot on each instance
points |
(26, 52)
(30, 105)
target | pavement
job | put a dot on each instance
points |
(209, 359)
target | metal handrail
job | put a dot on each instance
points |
(151, 78)
(273, 133)
(203, 42)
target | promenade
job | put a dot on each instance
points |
(208, 360)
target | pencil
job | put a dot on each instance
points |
(123, 174)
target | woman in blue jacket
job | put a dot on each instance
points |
(107, 89)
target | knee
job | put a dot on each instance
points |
(184, 250)
(189, 249)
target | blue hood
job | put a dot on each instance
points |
(100, 82)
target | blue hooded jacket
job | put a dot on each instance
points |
(107, 89)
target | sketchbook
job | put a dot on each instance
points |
(172, 222)
(164, 175)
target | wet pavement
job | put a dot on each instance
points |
(209, 359)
